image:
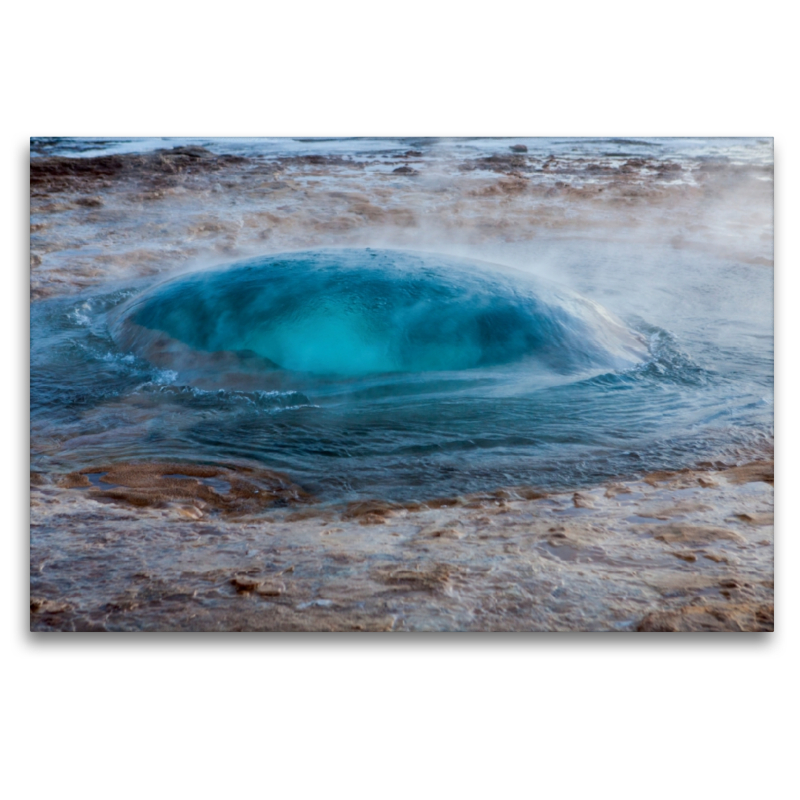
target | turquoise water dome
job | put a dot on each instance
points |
(357, 312)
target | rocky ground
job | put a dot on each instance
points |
(140, 549)
(99, 219)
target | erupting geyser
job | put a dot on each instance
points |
(356, 312)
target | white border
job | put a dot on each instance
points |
(394, 716)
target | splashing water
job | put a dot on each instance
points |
(402, 375)
(361, 312)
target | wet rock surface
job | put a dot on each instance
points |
(97, 219)
(194, 489)
(58, 174)
(489, 561)
(720, 617)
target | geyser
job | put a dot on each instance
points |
(357, 312)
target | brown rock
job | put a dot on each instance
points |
(529, 493)
(730, 617)
(428, 578)
(694, 534)
(194, 488)
(245, 583)
(370, 512)
(89, 202)
(441, 532)
(271, 588)
(581, 501)
(654, 478)
(756, 519)
(750, 473)
(61, 174)
(41, 606)
(73, 480)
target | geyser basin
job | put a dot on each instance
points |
(360, 312)
(557, 413)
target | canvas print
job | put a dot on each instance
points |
(401, 384)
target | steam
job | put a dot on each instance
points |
(616, 220)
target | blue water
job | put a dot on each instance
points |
(349, 312)
(731, 149)
(407, 375)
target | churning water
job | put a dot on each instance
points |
(364, 372)
(362, 312)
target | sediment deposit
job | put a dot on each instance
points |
(684, 551)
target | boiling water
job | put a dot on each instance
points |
(376, 372)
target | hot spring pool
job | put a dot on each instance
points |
(364, 372)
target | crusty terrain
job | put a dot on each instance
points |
(172, 207)
(683, 551)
